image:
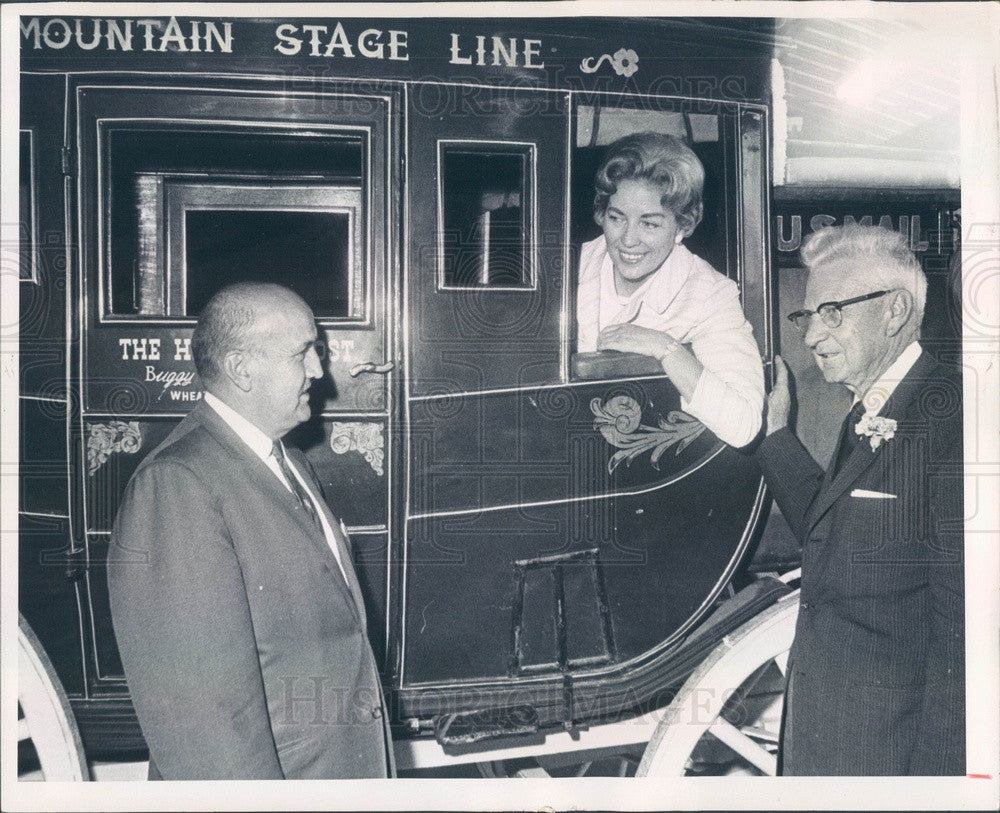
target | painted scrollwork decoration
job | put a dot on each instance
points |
(619, 420)
(111, 438)
(624, 61)
(364, 438)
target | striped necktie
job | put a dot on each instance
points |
(848, 437)
(300, 493)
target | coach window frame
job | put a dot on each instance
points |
(528, 151)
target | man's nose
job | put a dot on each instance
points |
(814, 332)
(314, 367)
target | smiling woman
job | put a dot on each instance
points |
(641, 291)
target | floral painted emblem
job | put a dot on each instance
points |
(364, 438)
(876, 429)
(111, 438)
(620, 422)
(625, 62)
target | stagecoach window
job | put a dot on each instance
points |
(193, 211)
(302, 236)
(710, 135)
(302, 250)
(485, 213)
(597, 126)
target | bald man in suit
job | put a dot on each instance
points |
(236, 607)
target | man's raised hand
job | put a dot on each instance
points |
(779, 400)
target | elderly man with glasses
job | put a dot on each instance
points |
(875, 680)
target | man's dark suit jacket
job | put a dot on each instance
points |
(244, 648)
(876, 679)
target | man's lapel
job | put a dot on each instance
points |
(249, 463)
(339, 533)
(265, 479)
(863, 455)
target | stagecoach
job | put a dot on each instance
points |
(554, 555)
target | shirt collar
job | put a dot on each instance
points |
(260, 444)
(669, 279)
(885, 386)
(656, 292)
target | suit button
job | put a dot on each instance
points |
(804, 605)
(376, 712)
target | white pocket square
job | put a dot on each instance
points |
(864, 493)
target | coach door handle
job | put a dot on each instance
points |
(372, 367)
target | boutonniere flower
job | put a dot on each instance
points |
(876, 429)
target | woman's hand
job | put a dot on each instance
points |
(678, 362)
(629, 338)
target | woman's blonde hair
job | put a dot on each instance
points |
(664, 161)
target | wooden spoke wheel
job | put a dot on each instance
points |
(726, 718)
(49, 745)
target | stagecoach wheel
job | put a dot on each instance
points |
(725, 719)
(49, 744)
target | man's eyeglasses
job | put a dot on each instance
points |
(829, 312)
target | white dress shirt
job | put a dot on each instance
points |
(696, 305)
(262, 446)
(879, 392)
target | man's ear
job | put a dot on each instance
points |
(236, 367)
(900, 311)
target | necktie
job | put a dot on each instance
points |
(300, 493)
(848, 437)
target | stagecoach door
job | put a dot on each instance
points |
(485, 305)
(566, 523)
(184, 188)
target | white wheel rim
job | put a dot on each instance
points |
(48, 720)
(696, 709)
